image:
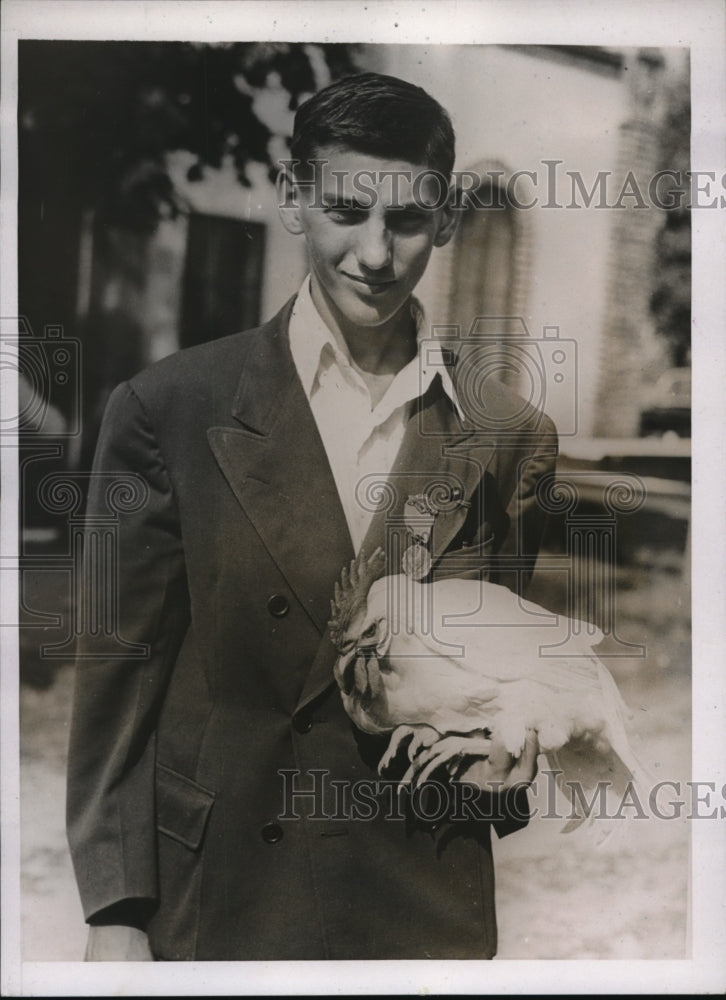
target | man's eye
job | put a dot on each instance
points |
(407, 219)
(370, 631)
(345, 216)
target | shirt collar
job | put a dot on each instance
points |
(311, 340)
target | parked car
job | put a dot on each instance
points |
(668, 405)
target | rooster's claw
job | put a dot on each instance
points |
(420, 737)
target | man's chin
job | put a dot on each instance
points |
(363, 311)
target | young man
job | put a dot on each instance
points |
(214, 799)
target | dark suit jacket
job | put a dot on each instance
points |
(175, 786)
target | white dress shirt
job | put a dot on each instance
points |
(360, 440)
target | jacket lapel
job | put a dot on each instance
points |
(436, 451)
(436, 458)
(276, 465)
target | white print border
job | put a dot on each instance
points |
(653, 22)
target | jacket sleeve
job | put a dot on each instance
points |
(526, 526)
(525, 513)
(122, 669)
(501, 536)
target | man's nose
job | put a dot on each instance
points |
(374, 246)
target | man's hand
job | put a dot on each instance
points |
(116, 943)
(500, 770)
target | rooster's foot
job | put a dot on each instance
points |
(420, 737)
(449, 751)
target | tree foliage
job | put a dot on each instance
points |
(671, 297)
(97, 119)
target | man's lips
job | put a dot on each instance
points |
(374, 283)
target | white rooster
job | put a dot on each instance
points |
(456, 663)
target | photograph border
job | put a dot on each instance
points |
(701, 26)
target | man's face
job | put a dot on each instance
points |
(370, 225)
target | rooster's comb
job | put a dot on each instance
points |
(352, 591)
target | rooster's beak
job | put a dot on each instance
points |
(355, 674)
(345, 672)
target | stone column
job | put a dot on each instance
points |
(634, 227)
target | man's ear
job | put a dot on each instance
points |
(288, 202)
(448, 222)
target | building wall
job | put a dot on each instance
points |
(518, 109)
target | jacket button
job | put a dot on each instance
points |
(278, 605)
(271, 833)
(302, 722)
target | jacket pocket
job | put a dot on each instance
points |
(182, 807)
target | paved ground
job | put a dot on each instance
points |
(558, 896)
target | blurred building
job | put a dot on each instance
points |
(573, 255)
(560, 141)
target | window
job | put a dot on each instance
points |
(483, 273)
(222, 278)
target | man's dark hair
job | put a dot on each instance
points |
(379, 116)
